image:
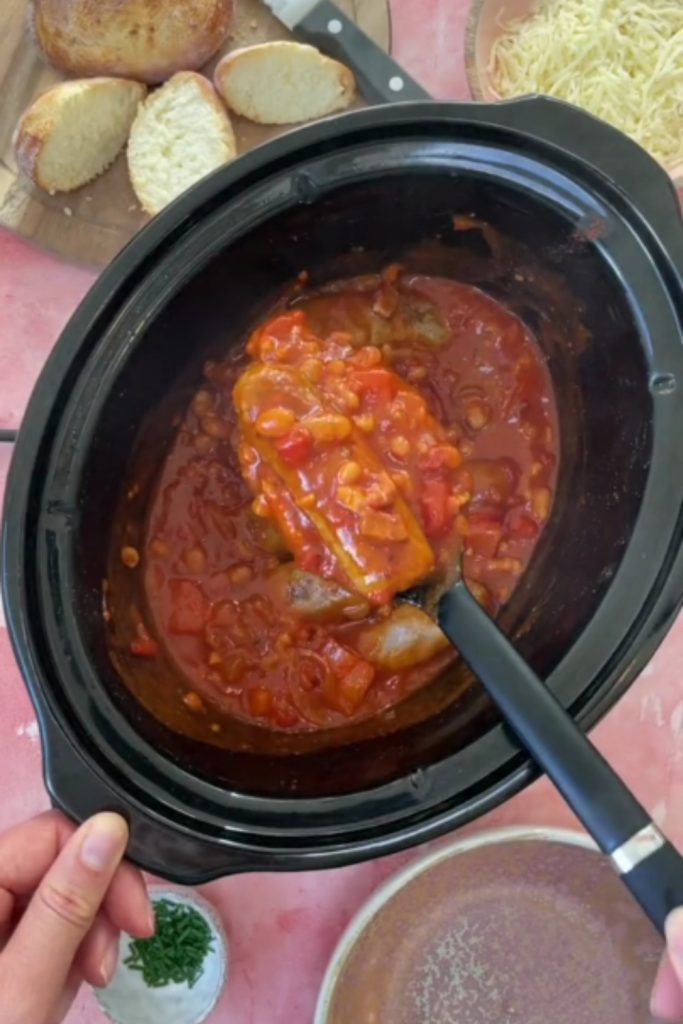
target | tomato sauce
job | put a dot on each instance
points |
(362, 438)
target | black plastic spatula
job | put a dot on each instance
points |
(648, 864)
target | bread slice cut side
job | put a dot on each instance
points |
(283, 83)
(181, 133)
(75, 130)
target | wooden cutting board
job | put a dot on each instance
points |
(89, 226)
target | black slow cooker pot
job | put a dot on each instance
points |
(586, 243)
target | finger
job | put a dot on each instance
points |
(28, 850)
(7, 907)
(128, 905)
(37, 959)
(667, 995)
(666, 1001)
(98, 954)
(66, 997)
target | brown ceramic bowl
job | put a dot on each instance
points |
(487, 20)
(517, 924)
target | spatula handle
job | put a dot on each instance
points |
(649, 865)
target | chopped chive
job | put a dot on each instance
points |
(177, 951)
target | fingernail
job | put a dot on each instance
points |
(674, 934)
(151, 922)
(104, 842)
(109, 964)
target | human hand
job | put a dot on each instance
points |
(64, 898)
(666, 1002)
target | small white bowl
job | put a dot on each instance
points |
(128, 1000)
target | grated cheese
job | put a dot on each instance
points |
(622, 60)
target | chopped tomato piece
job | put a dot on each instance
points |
(282, 712)
(485, 533)
(190, 608)
(441, 456)
(490, 480)
(296, 446)
(349, 678)
(352, 688)
(525, 528)
(378, 386)
(436, 514)
(144, 647)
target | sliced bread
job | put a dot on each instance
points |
(283, 82)
(75, 130)
(182, 133)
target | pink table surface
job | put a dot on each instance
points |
(282, 928)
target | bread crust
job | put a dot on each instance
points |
(291, 51)
(36, 125)
(148, 40)
(147, 108)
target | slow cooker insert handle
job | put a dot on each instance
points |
(579, 134)
(79, 792)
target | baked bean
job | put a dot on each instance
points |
(365, 422)
(130, 556)
(260, 701)
(330, 426)
(215, 427)
(203, 444)
(194, 702)
(195, 560)
(275, 422)
(416, 373)
(241, 574)
(349, 473)
(202, 403)
(367, 357)
(540, 502)
(311, 370)
(400, 446)
(477, 414)
(349, 400)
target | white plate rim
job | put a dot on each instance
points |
(489, 837)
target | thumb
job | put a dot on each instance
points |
(674, 941)
(35, 963)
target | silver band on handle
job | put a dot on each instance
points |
(637, 849)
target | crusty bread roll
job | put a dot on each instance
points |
(75, 130)
(144, 39)
(181, 133)
(282, 82)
